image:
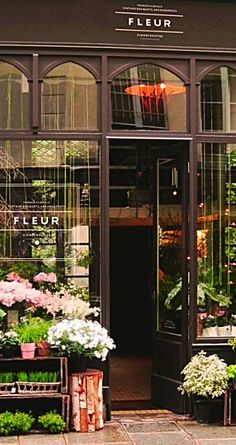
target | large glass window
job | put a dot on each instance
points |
(14, 98)
(148, 97)
(69, 99)
(218, 100)
(216, 240)
(49, 210)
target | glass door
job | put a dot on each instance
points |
(171, 290)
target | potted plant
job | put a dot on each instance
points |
(9, 343)
(206, 379)
(30, 331)
(209, 325)
(223, 324)
(78, 339)
(231, 371)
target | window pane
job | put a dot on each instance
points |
(49, 215)
(147, 96)
(216, 240)
(14, 98)
(218, 100)
(69, 99)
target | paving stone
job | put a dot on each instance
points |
(217, 442)
(12, 440)
(40, 439)
(149, 427)
(211, 432)
(109, 434)
(161, 439)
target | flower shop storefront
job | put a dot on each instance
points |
(117, 185)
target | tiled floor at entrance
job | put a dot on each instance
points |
(130, 378)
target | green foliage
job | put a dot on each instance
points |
(25, 269)
(7, 377)
(33, 329)
(15, 423)
(52, 422)
(85, 259)
(232, 342)
(38, 376)
(22, 376)
(231, 371)
(2, 315)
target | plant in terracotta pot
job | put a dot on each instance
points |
(9, 343)
(30, 331)
(206, 379)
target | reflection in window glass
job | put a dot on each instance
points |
(69, 99)
(216, 240)
(147, 96)
(14, 98)
(218, 100)
(49, 218)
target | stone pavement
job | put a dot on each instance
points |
(148, 430)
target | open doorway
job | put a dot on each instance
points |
(148, 260)
(131, 316)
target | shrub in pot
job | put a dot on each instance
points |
(206, 379)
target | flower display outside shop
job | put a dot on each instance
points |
(80, 337)
(204, 376)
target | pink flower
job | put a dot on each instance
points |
(52, 278)
(13, 276)
(221, 313)
(40, 277)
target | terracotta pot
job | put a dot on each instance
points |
(42, 348)
(28, 350)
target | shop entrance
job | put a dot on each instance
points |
(148, 272)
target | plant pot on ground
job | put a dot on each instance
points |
(205, 379)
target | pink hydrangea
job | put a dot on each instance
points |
(52, 278)
(40, 277)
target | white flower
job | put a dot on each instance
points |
(82, 337)
(205, 376)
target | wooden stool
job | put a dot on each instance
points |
(87, 400)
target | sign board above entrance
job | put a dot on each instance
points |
(120, 23)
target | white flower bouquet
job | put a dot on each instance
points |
(204, 376)
(80, 337)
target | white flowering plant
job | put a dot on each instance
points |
(204, 376)
(80, 337)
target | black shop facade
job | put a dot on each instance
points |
(117, 145)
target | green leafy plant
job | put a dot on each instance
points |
(22, 376)
(2, 316)
(38, 376)
(231, 371)
(204, 376)
(7, 377)
(52, 422)
(33, 329)
(15, 423)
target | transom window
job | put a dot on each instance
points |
(148, 97)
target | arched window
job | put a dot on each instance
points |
(69, 99)
(218, 100)
(148, 97)
(14, 98)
